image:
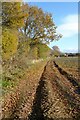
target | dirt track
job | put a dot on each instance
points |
(56, 96)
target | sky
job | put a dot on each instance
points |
(65, 17)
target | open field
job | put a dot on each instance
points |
(70, 64)
(50, 90)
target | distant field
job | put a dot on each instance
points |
(70, 64)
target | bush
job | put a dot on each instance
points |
(9, 43)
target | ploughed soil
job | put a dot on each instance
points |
(52, 95)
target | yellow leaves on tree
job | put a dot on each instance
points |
(9, 43)
(13, 14)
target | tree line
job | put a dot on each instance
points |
(25, 26)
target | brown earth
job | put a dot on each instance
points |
(52, 95)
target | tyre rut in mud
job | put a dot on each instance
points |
(54, 98)
(52, 101)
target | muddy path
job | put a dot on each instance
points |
(18, 102)
(54, 95)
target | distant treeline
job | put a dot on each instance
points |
(72, 54)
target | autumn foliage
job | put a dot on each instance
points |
(24, 26)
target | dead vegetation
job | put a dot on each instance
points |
(48, 93)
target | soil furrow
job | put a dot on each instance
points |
(66, 85)
(70, 78)
(50, 96)
(51, 101)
